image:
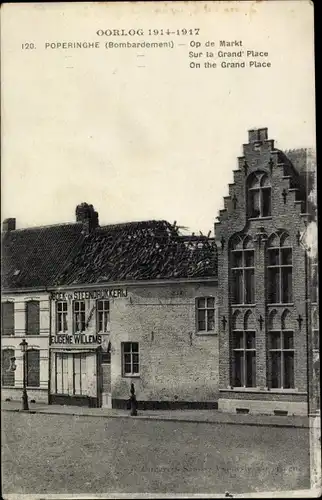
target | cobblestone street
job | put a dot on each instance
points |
(75, 454)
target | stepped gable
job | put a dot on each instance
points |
(143, 250)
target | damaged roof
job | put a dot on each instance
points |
(140, 251)
(32, 257)
(66, 254)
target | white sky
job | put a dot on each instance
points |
(140, 143)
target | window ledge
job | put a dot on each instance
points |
(206, 334)
(280, 304)
(131, 376)
(261, 391)
(243, 305)
(269, 217)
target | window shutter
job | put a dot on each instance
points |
(8, 376)
(32, 317)
(7, 318)
(32, 368)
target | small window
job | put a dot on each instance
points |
(7, 318)
(79, 316)
(205, 314)
(103, 316)
(32, 317)
(130, 359)
(8, 374)
(33, 367)
(61, 316)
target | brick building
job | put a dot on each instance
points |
(267, 298)
(191, 321)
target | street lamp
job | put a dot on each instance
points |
(24, 345)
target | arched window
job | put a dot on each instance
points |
(279, 266)
(8, 374)
(281, 354)
(32, 317)
(259, 195)
(242, 271)
(33, 367)
(7, 318)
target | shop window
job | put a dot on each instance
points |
(61, 316)
(130, 359)
(7, 318)
(279, 267)
(79, 372)
(32, 317)
(205, 314)
(103, 315)
(71, 373)
(79, 315)
(8, 374)
(33, 367)
(243, 359)
(242, 271)
(259, 195)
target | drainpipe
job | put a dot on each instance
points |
(49, 350)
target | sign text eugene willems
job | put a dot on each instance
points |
(81, 338)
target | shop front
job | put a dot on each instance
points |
(80, 369)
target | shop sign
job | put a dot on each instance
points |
(76, 339)
(109, 293)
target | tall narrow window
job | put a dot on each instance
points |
(242, 271)
(79, 369)
(279, 266)
(61, 316)
(33, 367)
(315, 281)
(7, 318)
(281, 355)
(130, 355)
(8, 374)
(205, 314)
(79, 316)
(103, 315)
(244, 359)
(259, 195)
(32, 317)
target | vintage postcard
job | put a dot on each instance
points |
(159, 308)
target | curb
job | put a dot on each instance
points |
(164, 419)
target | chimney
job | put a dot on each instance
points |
(257, 135)
(9, 225)
(86, 214)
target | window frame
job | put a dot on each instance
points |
(63, 315)
(28, 370)
(130, 352)
(82, 312)
(206, 298)
(243, 269)
(106, 314)
(29, 303)
(12, 327)
(12, 372)
(244, 350)
(280, 267)
(282, 350)
(259, 176)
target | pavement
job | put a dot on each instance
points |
(202, 416)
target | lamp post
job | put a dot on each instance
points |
(24, 345)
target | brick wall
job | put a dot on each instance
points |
(176, 363)
(260, 154)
